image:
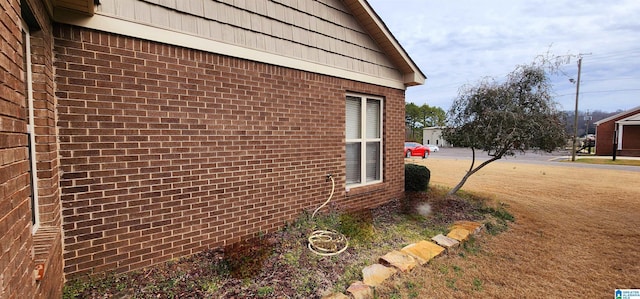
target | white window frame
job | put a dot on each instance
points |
(363, 140)
(31, 132)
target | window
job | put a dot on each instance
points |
(26, 51)
(363, 140)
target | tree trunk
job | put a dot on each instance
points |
(473, 170)
(457, 187)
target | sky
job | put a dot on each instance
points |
(460, 42)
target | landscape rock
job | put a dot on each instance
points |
(471, 226)
(375, 274)
(359, 290)
(423, 251)
(445, 241)
(402, 261)
(459, 234)
(336, 296)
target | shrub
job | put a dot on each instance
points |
(416, 177)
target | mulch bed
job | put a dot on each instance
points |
(276, 265)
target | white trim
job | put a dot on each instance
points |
(416, 77)
(631, 120)
(617, 115)
(363, 140)
(128, 28)
(31, 128)
(620, 129)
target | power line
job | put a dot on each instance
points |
(612, 90)
(601, 91)
(619, 53)
(612, 79)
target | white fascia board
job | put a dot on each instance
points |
(633, 120)
(617, 115)
(162, 35)
(630, 119)
(416, 77)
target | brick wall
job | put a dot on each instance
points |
(22, 250)
(47, 240)
(167, 151)
(604, 138)
(16, 264)
(605, 133)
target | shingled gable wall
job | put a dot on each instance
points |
(167, 151)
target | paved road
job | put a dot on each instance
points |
(555, 158)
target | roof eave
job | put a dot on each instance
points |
(632, 110)
(364, 13)
(85, 7)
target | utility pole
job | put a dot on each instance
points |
(575, 115)
(587, 118)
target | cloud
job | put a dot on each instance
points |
(460, 42)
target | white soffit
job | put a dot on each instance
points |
(633, 119)
(618, 115)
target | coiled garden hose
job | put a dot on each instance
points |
(326, 242)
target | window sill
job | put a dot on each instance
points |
(366, 189)
(43, 239)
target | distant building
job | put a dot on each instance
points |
(624, 128)
(433, 135)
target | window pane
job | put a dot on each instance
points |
(373, 118)
(353, 163)
(373, 161)
(353, 118)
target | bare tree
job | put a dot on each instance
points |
(505, 118)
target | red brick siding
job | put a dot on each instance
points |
(16, 265)
(168, 151)
(22, 250)
(604, 137)
(48, 247)
(47, 240)
(45, 127)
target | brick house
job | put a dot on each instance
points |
(623, 127)
(137, 131)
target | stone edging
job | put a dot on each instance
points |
(407, 258)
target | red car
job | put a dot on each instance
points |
(414, 149)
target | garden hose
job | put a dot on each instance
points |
(326, 242)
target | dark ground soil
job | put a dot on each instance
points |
(279, 265)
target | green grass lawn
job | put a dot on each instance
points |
(609, 161)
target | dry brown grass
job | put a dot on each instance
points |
(576, 235)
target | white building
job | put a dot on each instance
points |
(433, 135)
